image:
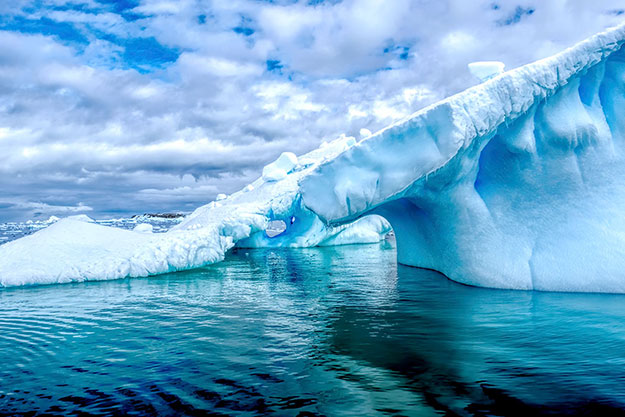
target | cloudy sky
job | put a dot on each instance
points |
(119, 107)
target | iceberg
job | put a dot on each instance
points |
(73, 250)
(246, 215)
(77, 249)
(514, 183)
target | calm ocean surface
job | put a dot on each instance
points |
(323, 331)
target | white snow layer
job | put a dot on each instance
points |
(515, 183)
(74, 250)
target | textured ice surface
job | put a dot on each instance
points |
(515, 183)
(246, 214)
(75, 250)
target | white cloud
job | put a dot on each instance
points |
(89, 122)
(199, 65)
(49, 208)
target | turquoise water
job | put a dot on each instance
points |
(322, 331)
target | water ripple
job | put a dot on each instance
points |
(328, 331)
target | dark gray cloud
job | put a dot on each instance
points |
(135, 106)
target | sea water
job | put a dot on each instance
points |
(321, 331)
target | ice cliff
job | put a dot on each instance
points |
(515, 183)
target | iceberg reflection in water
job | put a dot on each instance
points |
(334, 331)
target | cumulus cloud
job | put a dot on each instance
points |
(156, 105)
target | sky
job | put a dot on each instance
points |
(113, 108)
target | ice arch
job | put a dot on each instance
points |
(515, 183)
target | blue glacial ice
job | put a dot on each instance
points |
(514, 183)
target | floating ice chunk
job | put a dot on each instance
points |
(286, 161)
(364, 133)
(485, 70)
(52, 219)
(272, 173)
(369, 229)
(221, 196)
(74, 251)
(144, 228)
(248, 188)
(280, 168)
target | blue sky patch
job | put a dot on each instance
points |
(120, 6)
(402, 52)
(63, 31)
(274, 65)
(123, 8)
(140, 53)
(243, 31)
(519, 13)
(145, 53)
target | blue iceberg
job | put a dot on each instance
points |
(515, 183)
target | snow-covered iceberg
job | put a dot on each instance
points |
(78, 249)
(515, 183)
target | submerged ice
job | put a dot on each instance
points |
(515, 183)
